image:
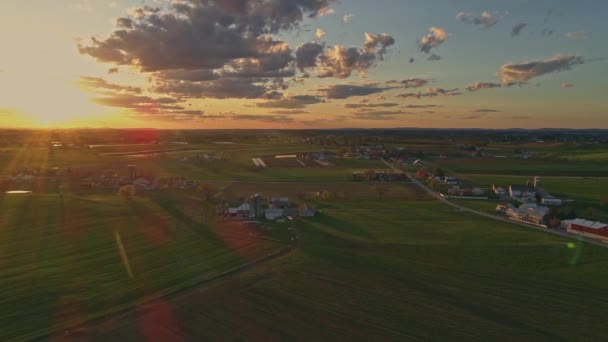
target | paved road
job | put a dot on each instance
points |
(503, 219)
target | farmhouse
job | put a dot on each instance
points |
(592, 229)
(527, 212)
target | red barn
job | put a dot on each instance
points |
(592, 229)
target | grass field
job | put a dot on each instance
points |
(525, 167)
(54, 274)
(396, 270)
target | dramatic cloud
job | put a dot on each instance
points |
(306, 55)
(410, 82)
(370, 105)
(293, 102)
(222, 88)
(188, 75)
(344, 91)
(516, 30)
(482, 85)
(435, 38)
(112, 71)
(320, 33)
(566, 85)
(486, 19)
(96, 84)
(379, 115)
(522, 72)
(340, 61)
(578, 35)
(431, 92)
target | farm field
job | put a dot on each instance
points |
(444, 275)
(107, 256)
(524, 167)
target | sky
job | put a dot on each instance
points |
(304, 63)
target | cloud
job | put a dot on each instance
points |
(577, 35)
(292, 102)
(486, 19)
(188, 75)
(221, 88)
(522, 72)
(347, 18)
(96, 83)
(289, 112)
(379, 115)
(487, 111)
(482, 85)
(113, 71)
(344, 91)
(370, 105)
(410, 82)
(566, 85)
(141, 104)
(326, 11)
(320, 33)
(340, 61)
(435, 38)
(433, 58)
(516, 30)
(262, 117)
(378, 43)
(519, 117)
(431, 92)
(420, 106)
(194, 35)
(306, 55)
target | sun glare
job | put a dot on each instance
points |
(49, 101)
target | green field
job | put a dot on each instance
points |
(396, 270)
(54, 274)
(524, 167)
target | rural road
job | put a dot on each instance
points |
(503, 219)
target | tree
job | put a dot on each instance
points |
(127, 192)
(434, 184)
(592, 213)
(438, 172)
(604, 201)
(208, 211)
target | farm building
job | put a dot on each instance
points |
(279, 203)
(527, 212)
(251, 208)
(592, 229)
(523, 193)
(551, 201)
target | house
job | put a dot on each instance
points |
(251, 208)
(592, 229)
(527, 212)
(477, 192)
